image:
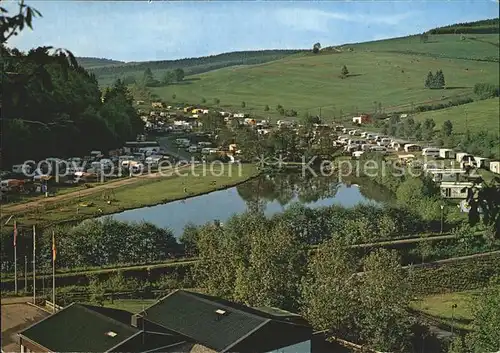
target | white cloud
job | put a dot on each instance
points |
(319, 20)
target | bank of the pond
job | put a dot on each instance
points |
(272, 194)
(149, 192)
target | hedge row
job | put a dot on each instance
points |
(452, 103)
(461, 275)
(145, 273)
(464, 30)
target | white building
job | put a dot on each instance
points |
(495, 167)
(446, 153)
(445, 175)
(455, 190)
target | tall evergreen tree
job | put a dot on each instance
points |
(447, 128)
(429, 81)
(439, 79)
(148, 78)
(344, 72)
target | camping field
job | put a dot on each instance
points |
(309, 83)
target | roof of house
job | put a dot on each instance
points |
(216, 323)
(82, 328)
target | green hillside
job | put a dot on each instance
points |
(483, 26)
(90, 63)
(468, 46)
(108, 74)
(308, 82)
(481, 115)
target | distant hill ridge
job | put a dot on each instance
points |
(103, 66)
(108, 70)
(490, 26)
(89, 62)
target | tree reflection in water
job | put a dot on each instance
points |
(285, 187)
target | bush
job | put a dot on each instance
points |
(486, 90)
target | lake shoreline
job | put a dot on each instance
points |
(148, 205)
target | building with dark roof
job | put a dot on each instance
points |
(182, 321)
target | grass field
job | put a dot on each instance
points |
(473, 46)
(144, 193)
(107, 72)
(308, 83)
(440, 307)
(481, 115)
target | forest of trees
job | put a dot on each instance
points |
(54, 108)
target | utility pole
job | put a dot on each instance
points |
(34, 258)
(15, 257)
(53, 272)
(466, 123)
(442, 208)
(26, 274)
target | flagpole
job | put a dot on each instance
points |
(53, 273)
(15, 257)
(25, 274)
(34, 258)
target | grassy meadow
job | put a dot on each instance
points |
(440, 307)
(308, 83)
(481, 115)
(470, 46)
(145, 193)
(107, 71)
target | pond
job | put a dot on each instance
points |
(272, 194)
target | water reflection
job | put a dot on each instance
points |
(270, 194)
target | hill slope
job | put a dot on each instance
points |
(307, 83)
(476, 116)
(481, 47)
(107, 74)
(477, 40)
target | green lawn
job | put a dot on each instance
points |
(145, 193)
(306, 83)
(440, 307)
(481, 115)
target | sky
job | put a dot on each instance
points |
(165, 30)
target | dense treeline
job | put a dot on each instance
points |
(483, 143)
(54, 108)
(478, 27)
(263, 262)
(197, 65)
(93, 243)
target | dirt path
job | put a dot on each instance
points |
(16, 300)
(9, 209)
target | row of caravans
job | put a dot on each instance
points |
(359, 145)
(202, 146)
